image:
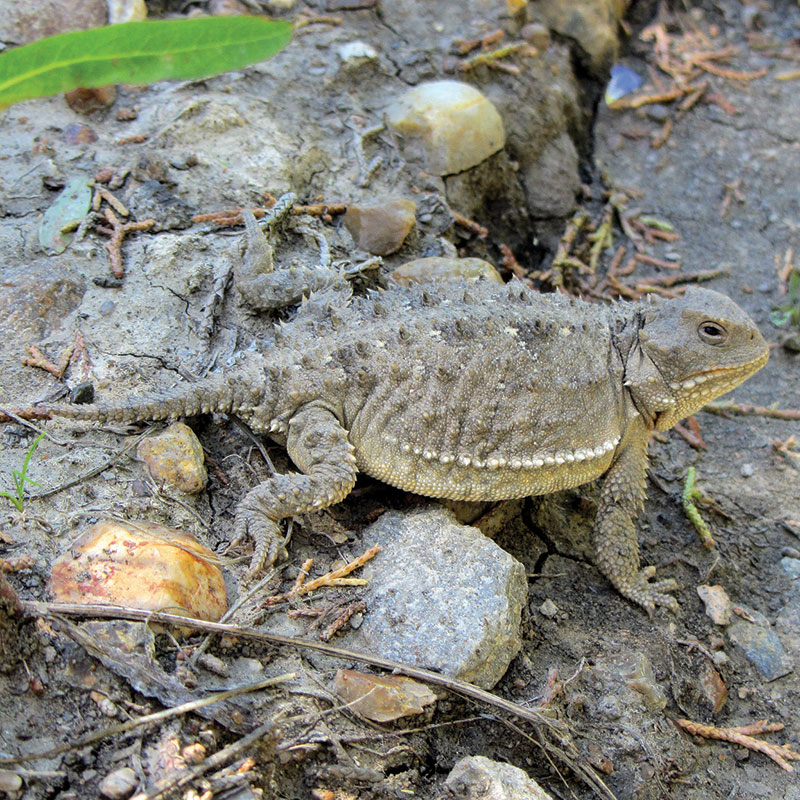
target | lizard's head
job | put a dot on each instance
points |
(702, 345)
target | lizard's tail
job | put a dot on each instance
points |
(222, 395)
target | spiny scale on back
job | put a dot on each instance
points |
(475, 392)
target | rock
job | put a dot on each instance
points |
(119, 784)
(747, 470)
(455, 125)
(791, 566)
(175, 457)
(354, 54)
(82, 393)
(85, 101)
(761, 646)
(552, 180)
(141, 565)
(537, 34)
(718, 604)
(712, 687)
(791, 342)
(9, 781)
(442, 596)
(126, 11)
(480, 778)
(548, 609)
(439, 268)
(592, 24)
(382, 698)
(382, 228)
(657, 112)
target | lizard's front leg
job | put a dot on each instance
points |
(614, 535)
(318, 445)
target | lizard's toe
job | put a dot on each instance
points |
(266, 535)
(651, 594)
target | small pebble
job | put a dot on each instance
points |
(107, 307)
(82, 393)
(717, 602)
(85, 101)
(791, 342)
(9, 781)
(746, 470)
(175, 457)
(721, 658)
(184, 161)
(75, 134)
(548, 609)
(356, 621)
(354, 54)
(658, 112)
(791, 566)
(537, 34)
(119, 784)
(381, 229)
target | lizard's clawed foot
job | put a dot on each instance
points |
(647, 594)
(252, 523)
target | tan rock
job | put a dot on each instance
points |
(175, 457)
(455, 125)
(140, 565)
(480, 778)
(718, 604)
(382, 697)
(382, 228)
(439, 268)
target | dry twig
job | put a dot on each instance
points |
(744, 736)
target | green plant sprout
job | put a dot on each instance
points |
(789, 312)
(21, 477)
(138, 53)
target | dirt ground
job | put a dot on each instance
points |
(727, 184)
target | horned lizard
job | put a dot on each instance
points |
(473, 392)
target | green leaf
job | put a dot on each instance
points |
(780, 316)
(65, 214)
(138, 53)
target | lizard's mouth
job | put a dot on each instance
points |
(725, 375)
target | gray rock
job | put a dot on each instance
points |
(480, 778)
(762, 646)
(791, 566)
(552, 181)
(441, 595)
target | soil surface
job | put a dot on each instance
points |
(726, 183)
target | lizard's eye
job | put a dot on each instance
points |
(712, 332)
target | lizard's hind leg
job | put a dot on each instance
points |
(318, 445)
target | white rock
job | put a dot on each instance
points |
(456, 126)
(357, 52)
(548, 609)
(119, 784)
